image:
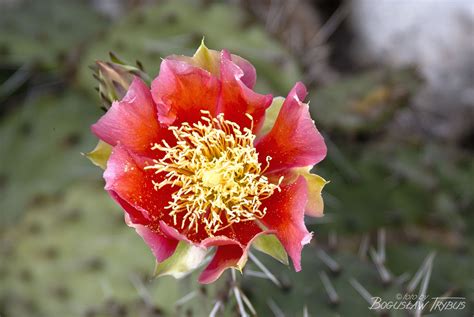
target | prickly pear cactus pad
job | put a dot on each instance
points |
(46, 32)
(40, 145)
(348, 276)
(74, 257)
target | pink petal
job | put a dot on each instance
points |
(294, 140)
(285, 215)
(134, 215)
(132, 122)
(213, 65)
(181, 91)
(172, 232)
(237, 99)
(161, 246)
(249, 76)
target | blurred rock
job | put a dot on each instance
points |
(436, 37)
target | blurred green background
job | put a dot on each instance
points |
(400, 133)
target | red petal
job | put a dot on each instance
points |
(285, 215)
(218, 241)
(161, 246)
(230, 253)
(243, 232)
(226, 256)
(294, 140)
(131, 122)
(237, 98)
(126, 177)
(182, 90)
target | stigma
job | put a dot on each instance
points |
(215, 169)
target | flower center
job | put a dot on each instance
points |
(216, 168)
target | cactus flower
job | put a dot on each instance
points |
(202, 162)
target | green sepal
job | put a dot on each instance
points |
(315, 185)
(185, 259)
(271, 115)
(269, 244)
(207, 59)
(100, 154)
(115, 77)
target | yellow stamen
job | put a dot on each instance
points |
(216, 168)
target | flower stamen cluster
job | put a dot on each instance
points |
(216, 168)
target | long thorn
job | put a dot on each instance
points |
(362, 291)
(258, 274)
(332, 240)
(419, 274)
(237, 295)
(385, 275)
(186, 298)
(331, 25)
(215, 309)
(106, 289)
(141, 289)
(240, 304)
(402, 278)
(275, 308)
(330, 262)
(248, 303)
(381, 239)
(305, 311)
(424, 287)
(364, 247)
(264, 269)
(14, 82)
(332, 294)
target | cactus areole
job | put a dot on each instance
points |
(201, 162)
